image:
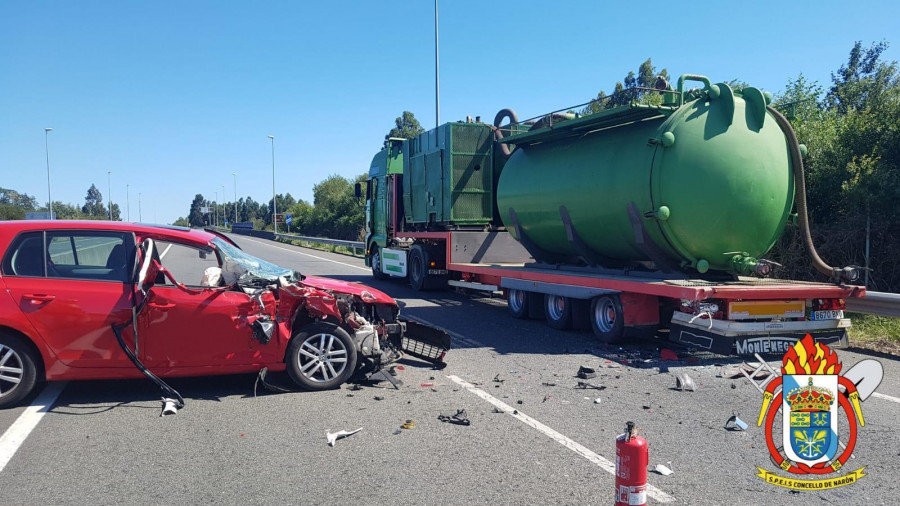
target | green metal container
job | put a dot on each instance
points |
(702, 182)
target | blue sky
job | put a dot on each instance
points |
(173, 97)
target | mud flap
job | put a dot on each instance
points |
(425, 342)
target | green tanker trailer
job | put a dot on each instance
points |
(680, 188)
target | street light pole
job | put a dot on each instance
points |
(224, 219)
(234, 174)
(437, 71)
(109, 191)
(140, 218)
(274, 203)
(216, 209)
(47, 149)
(127, 203)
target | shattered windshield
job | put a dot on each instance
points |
(256, 267)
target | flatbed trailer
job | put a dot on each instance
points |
(741, 315)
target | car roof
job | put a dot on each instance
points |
(180, 234)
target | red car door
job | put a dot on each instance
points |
(72, 286)
(198, 327)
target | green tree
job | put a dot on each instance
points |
(14, 205)
(631, 90)
(93, 203)
(195, 217)
(182, 222)
(406, 126)
(336, 213)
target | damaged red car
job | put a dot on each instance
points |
(110, 300)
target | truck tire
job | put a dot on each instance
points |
(608, 318)
(321, 356)
(18, 369)
(558, 311)
(418, 272)
(517, 302)
(375, 262)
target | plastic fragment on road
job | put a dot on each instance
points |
(341, 434)
(379, 398)
(597, 400)
(170, 407)
(585, 385)
(735, 424)
(586, 373)
(663, 470)
(427, 385)
(497, 379)
(684, 382)
(409, 424)
(667, 354)
(460, 418)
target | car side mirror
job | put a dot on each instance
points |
(202, 255)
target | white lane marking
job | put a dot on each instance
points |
(265, 243)
(163, 254)
(657, 494)
(886, 397)
(13, 438)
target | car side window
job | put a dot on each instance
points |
(92, 255)
(25, 256)
(188, 265)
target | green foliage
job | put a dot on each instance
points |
(406, 127)
(93, 203)
(182, 222)
(14, 205)
(195, 217)
(630, 91)
(853, 166)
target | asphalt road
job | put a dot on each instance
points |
(103, 442)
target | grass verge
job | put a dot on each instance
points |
(879, 333)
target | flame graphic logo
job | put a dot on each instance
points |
(810, 357)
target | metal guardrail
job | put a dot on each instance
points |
(877, 303)
(353, 246)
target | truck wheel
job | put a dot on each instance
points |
(608, 318)
(321, 356)
(517, 302)
(375, 262)
(18, 370)
(558, 311)
(417, 270)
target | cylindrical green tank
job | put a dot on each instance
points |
(701, 183)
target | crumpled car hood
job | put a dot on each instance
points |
(357, 289)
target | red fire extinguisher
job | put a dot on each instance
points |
(632, 457)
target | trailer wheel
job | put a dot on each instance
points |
(375, 262)
(517, 301)
(558, 311)
(608, 318)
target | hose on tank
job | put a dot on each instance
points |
(503, 114)
(849, 273)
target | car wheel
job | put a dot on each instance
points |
(608, 318)
(517, 302)
(417, 272)
(375, 262)
(321, 356)
(558, 311)
(18, 370)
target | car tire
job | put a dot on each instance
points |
(321, 356)
(608, 318)
(18, 369)
(375, 262)
(558, 311)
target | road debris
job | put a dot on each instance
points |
(663, 470)
(379, 398)
(409, 424)
(497, 379)
(585, 385)
(548, 384)
(684, 382)
(427, 385)
(597, 400)
(341, 434)
(586, 373)
(497, 410)
(735, 424)
(460, 418)
(546, 398)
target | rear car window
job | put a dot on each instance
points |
(25, 256)
(94, 255)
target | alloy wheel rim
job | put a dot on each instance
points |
(322, 357)
(11, 370)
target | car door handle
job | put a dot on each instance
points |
(157, 305)
(39, 298)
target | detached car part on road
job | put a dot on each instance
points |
(92, 300)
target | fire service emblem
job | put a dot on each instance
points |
(813, 397)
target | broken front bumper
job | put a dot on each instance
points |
(423, 341)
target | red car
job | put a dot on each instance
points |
(109, 300)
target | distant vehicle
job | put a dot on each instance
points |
(109, 300)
